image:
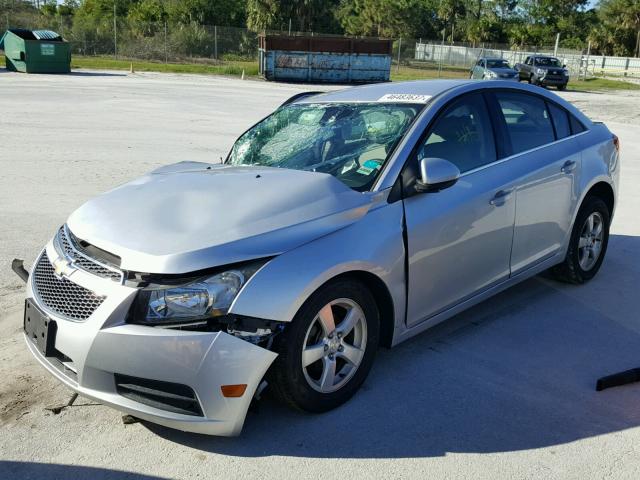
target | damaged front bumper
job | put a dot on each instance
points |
(166, 376)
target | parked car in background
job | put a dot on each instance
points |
(544, 71)
(493, 69)
(343, 221)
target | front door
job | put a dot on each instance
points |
(459, 239)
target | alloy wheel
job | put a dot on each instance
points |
(590, 241)
(334, 345)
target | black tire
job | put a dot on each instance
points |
(562, 87)
(531, 80)
(570, 270)
(286, 376)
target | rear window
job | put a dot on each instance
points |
(527, 119)
(560, 119)
(576, 125)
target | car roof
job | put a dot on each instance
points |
(422, 90)
(492, 58)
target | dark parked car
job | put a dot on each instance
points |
(543, 71)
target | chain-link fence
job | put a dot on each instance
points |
(196, 43)
(580, 63)
(159, 41)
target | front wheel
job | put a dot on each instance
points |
(588, 243)
(327, 351)
(562, 87)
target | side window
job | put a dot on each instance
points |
(576, 125)
(560, 119)
(462, 134)
(528, 122)
(527, 61)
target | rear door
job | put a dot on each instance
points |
(546, 160)
(458, 239)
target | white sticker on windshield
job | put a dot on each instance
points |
(404, 97)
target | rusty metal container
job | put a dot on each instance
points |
(324, 59)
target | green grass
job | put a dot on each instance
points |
(413, 73)
(600, 84)
(250, 68)
(234, 68)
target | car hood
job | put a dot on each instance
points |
(503, 71)
(191, 216)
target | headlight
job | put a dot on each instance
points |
(492, 74)
(540, 71)
(193, 301)
(566, 73)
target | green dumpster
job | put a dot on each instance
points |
(35, 51)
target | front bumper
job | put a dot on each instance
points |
(97, 349)
(554, 81)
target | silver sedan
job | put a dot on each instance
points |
(342, 222)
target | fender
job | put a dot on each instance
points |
(278, 290)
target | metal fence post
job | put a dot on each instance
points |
(215, 42)
(586, 63)
(115, 32)
(399, 49)
(626, 66)
(166, 56)
(441, 53)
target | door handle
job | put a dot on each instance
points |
(501, 197)
(568, 166)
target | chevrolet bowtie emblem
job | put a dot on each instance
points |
(62, 267)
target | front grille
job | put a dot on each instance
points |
(62, 296)
(72, 250)
(172, 397)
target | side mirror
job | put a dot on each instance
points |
(436, 174)
(564, 65)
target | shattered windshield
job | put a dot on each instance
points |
(349, 141)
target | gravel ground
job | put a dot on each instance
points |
(504, 390)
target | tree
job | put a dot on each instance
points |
(620, 27)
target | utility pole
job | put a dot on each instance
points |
(399, 48)
(115, 32)
(289, 26)
(555, 50)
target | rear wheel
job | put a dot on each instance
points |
(588, 243)
(327, 351)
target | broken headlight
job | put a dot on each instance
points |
(197, 300)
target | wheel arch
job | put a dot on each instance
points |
(382, 297)
(604, 191)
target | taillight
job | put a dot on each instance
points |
(616, 142)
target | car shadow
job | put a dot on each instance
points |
(16, 470)
(516, 372)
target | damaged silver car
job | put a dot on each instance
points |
(341, 222)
